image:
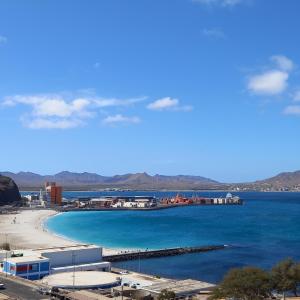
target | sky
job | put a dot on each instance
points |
(198, 87)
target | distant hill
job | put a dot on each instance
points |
(133, 181)
(285, 179)
(9, 192)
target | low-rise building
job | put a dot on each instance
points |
(36, 263)
(29, 267)
(72, 255)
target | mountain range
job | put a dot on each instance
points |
(73, 180)
(130, 181)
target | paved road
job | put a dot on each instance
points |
(20, 291)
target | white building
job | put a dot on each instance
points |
(130, 204)
(34, 200)
(78, 254)
(143, 203)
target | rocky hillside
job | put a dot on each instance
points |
(286, 179)
(9, 192)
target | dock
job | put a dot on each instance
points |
(160, 253)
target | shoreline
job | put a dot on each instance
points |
(26, 229)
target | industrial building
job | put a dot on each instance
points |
(36, 263)
(80, 257)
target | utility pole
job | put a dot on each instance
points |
(6, 254)
(139, 261)
(122, 291)
(73, 260)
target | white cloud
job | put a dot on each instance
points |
(296, 96)
(168, 103)
(63, 111)
(3, 39)
(117, 119)
(107, 102)
(283, 62)
(42, 123)
(269, 83)
(292, 110)
(222, 3)
(52, 111)
(214, 33)
(61, 108)
(164, 103)
(273, 81)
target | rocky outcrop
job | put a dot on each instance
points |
(9, 192)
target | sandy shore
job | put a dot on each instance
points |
(24, 230)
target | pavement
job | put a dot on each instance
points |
(16, 289)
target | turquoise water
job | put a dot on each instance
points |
(261, 232)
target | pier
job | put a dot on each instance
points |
(160, 253)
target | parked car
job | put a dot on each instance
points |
(2, 286)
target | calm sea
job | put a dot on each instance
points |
(261, 232)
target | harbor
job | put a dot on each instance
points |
(52, 196)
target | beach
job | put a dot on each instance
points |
(25, 230)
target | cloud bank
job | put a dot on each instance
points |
(54, 111)
(61, 111)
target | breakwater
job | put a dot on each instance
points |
(160, 253)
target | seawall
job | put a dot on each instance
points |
(161, 253)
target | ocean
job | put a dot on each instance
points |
(263, 231)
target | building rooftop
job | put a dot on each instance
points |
(179, 287)
(82, 279)
(25, 259)
(68, 248)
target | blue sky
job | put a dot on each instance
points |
(200, 87)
